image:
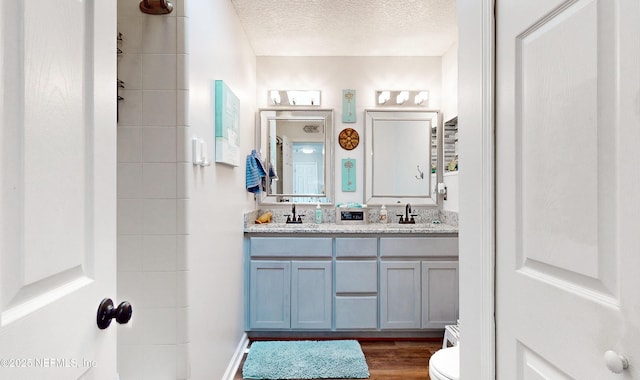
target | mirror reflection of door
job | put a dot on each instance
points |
(308, 169)
(305, 176)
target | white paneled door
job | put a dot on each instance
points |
(58, 206)
(568, 189)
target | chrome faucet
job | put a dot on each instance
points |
(408, 217)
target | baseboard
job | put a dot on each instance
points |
(433, 334)
(236, 359)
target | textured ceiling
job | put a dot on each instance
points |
(348, 27)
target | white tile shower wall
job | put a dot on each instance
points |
(152, 194)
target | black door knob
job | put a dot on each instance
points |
(106, 312)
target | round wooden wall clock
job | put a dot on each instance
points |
(348, 139)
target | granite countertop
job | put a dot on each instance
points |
(333, 228)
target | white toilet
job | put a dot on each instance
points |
(445, 364)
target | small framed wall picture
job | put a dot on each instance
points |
(227, 125)
(348, 139)
(348, 106)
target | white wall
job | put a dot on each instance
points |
(450, 83)
(331, 75)
(451, 182)
(449, 111)
(218, 50)
(476, 239)
(152, 234)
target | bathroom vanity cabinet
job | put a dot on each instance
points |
(415, 294)
(290, 293)
(366, 284)
(418, 282)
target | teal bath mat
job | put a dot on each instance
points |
(328, 359)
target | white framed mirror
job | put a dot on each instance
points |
(297, 145)
(402, 157)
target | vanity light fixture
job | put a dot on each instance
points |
(420, 98)
(402, 97)
(275, 97)
(294, 98)
(384, 97)
(311, 128)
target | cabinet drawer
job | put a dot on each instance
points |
(356, 247)
(419, 246)
(356, 312)
(290, 247)
(356, 276)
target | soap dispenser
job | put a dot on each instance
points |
(318, 214)
(383, 214)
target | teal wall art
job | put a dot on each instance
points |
(227, 125)
(348, 106)
(348, 174)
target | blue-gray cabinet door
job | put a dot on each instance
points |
(356, 312)
(400, 295)
(270, 297)
(311, 295)
(439, 293)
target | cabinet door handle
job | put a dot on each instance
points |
(615, 362)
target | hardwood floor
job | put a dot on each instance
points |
(393, 359)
